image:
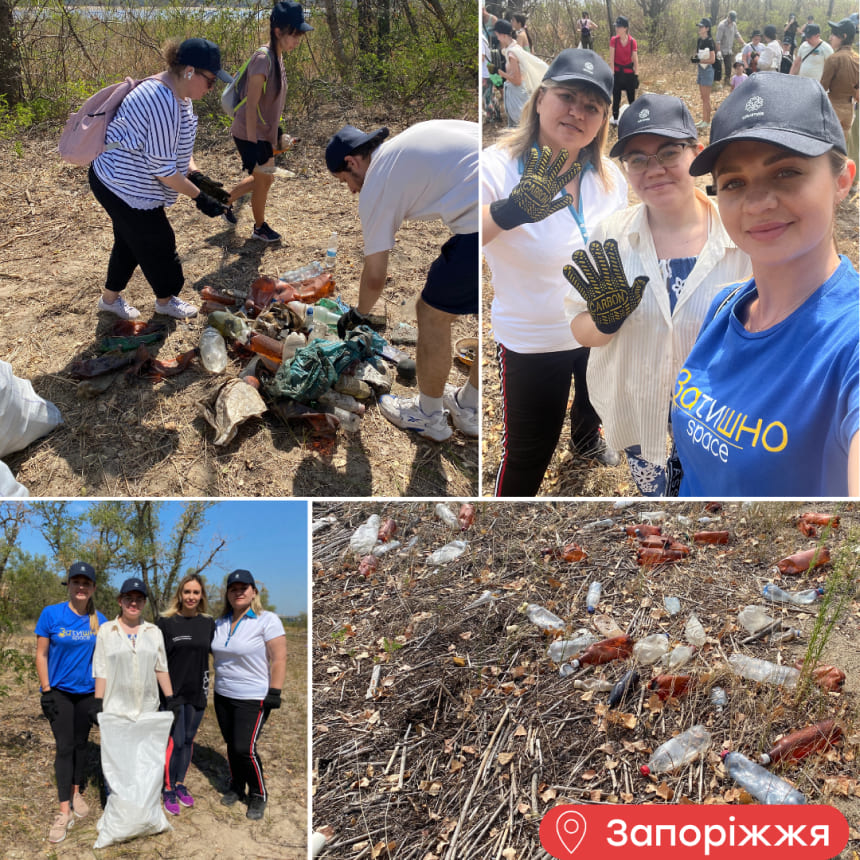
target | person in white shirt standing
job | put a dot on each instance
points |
(770, 58)
(809, 62)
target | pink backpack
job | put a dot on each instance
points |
(83, 138)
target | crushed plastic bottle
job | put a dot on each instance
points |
(543, 618)
(598, 525)
(593, 597)
(763, 670)
(561, 649)
(385, 548)
(387, 530)
(604, 651)
(678, 656)
(802, 598)
(829, 678)
(654, 516)
(801, 743)
(626, 686)
(680, 750)
(764, 786)
(801, 562)
(672, 604)
(447, 516)
(447, 553)
(484, 598)
(649, 650)
(711, 537)
(641, 530)
(671, 686)
(694, 631)
(718, 698)
(342, 401)
(213, 350)
(363, 539)
(368, 565)
(754, 618)
(466, 516)
(598, 685)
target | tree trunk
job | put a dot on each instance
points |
(334, 31)
(436, 8)
(10, 67)
(366, 26)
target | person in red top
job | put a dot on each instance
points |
(624, 61)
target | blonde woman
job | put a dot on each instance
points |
(187, 629)
(65, 641)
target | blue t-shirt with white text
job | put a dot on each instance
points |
(70, 652)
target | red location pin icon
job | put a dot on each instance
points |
(566, 833)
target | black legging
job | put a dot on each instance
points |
(622, 82)
(535, 390)
(71, 728)
(240, 721)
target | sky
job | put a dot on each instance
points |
(267, 537)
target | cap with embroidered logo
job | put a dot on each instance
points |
(652, 113)
(583, 66)
(243, 576)
(81, 568)
(134, 583)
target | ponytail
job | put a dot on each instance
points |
(94, 618)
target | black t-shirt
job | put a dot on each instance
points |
(187, 642)
(708, 43)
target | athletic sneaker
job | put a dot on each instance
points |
(79, 806)
(256, 808)
(183, 795)
(61, 826)
(176, 308)
(230, 216)
(406, 412)
(464, 418)
(265, 233)
(613, 121)
(120, 307)
(230, 797)
(171, 804)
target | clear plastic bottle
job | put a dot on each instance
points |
(754, 618)
(593, 597)
(384, 548)
(343, 401)
(447, 516)
(213, 350)
(363, 539)
(678, 656)
(649, 650)
(598, 685)
(543, 618)
(763, 670)
(718, 698)
(680, 750)
(561, 649)
(764, 786)
(447, 553)
(484, 598)
(694, 631)
(331, 252)
(802, 598)
(598, 525)
(604, 651)
(801, 743)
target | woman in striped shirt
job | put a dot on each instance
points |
(152, 135)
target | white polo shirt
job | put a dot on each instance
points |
(241, 662)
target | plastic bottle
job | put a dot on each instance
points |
(561, 649)
(543, 618)
(675, 686)
(466, 516)
(650, 649)
(447, 515)
(447, 553)
(764, 786)
(628, 684)
(598, 525)
(293, 342)
(801, 562)
(331, 252)
(368, 565)
(678, 656)
(593, 597)
(754, 618)
(363, 539)
(232, 327)
(387, 530)
(803, 598)
(694, 631)
(484, 597)
(672, 604)
(680, 750)
(349, 421)
(763, 670)
(213, 350)
(266, 346)
(711, 537)
(341, 401)
(604, 651)
(718, 698)
(346, 383)
(598, 685)
(384, 548)
(801, 743)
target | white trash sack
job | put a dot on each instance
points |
(133, 754)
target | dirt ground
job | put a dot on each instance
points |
(141, 438)
(444, 731)
(29, 795)
(568, 475)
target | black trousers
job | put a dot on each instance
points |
(141, 237)
(622, 82)
(240, 721)
(535, 390)
(71, 728)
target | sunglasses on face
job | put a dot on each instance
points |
(210, 82)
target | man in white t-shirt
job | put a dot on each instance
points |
(427, 172)
(809, 62)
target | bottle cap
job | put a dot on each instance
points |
(645, 770)
(723, 754)
(764, 758)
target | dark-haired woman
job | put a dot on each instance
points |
(255, 124)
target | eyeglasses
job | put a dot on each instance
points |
(666, 156)
(210, 82)
(127, 598)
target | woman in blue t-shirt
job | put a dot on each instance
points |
(187, 629)
(767, 402)
(65, 640)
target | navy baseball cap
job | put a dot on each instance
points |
(81, 568)
(621, 21)
(202, 54)
(756, 111)
(134, 583)
(812, 30)
(582, 66)
(289, 14)
(345, 142)
(705, 22)
(653, 113)
(243, 576)
(844, 28)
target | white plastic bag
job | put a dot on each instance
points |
(24, 416)
(9, 487)
(363, 539)
(133, 764)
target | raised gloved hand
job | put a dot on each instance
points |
(609, 297)
(272, 700)
(49, 706)
(533, 198)
(349, 321)
(211, 186)
(208, 205)
(95, 710)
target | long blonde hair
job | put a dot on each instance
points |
(518, 141)
(256, 604)
(176, 604)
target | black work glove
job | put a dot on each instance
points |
(532, 199)
(49, 706)
(609, 297)
(635, 82)
(173, 704)
(95, 710)
(272, 700)
(694, 61)
(349, 321)
(258, 155)
(208, 205)
(211, 186)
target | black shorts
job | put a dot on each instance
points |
(247, 150)
(452, 282)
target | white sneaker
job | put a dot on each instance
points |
(464, 418)
(613, 121)
(120, 307)
(405, 412)
(176, 308)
